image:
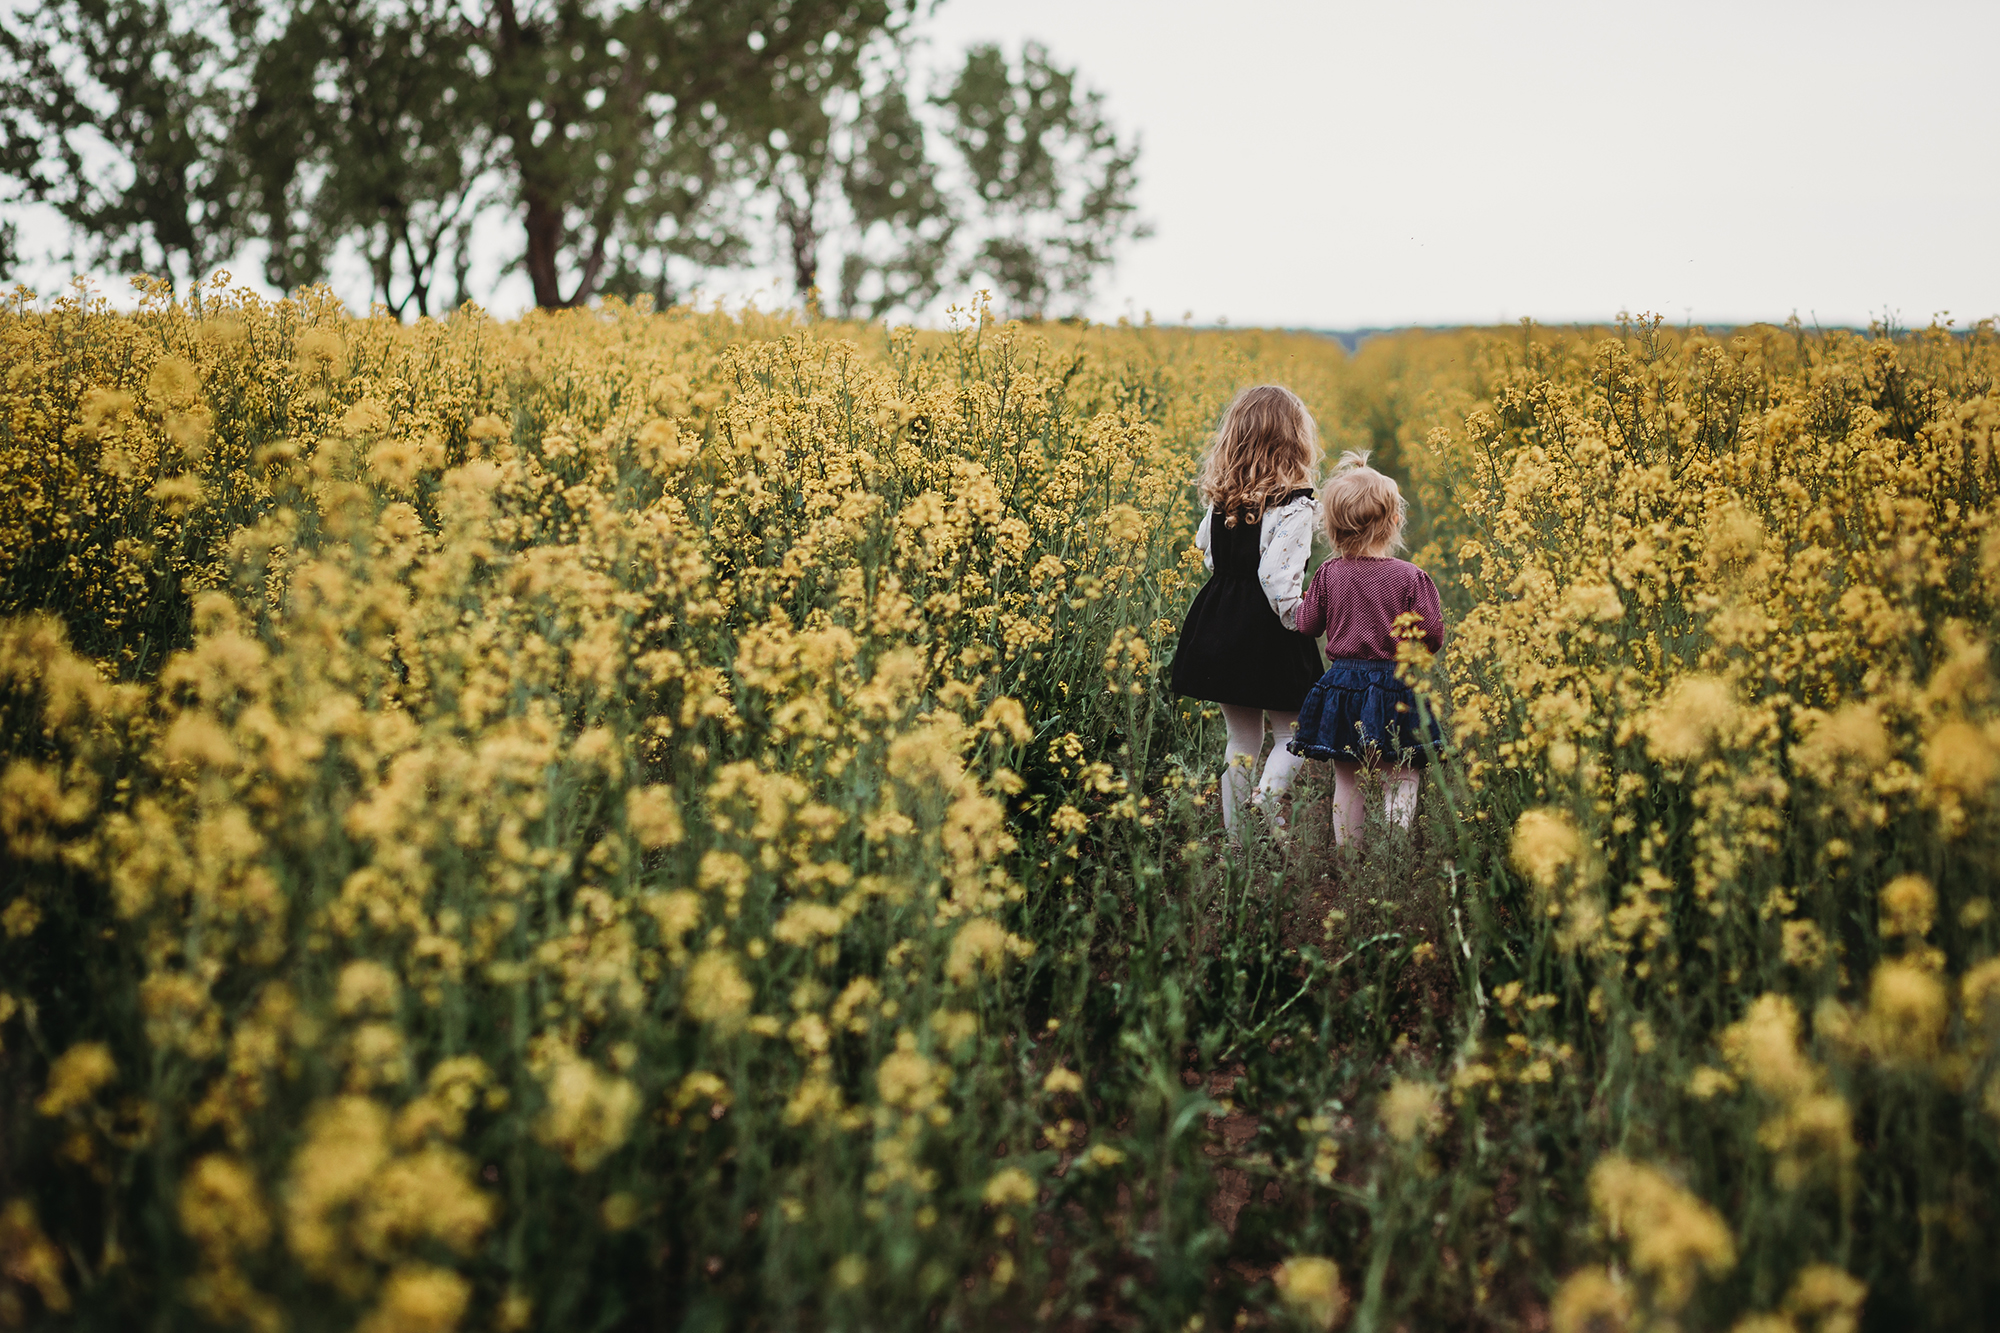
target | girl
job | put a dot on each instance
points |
(1238, 646)
(1359, 713)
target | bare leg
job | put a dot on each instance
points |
(1399, 794)
(1349, 814)
(1246, 741)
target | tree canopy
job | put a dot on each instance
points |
(635, 146)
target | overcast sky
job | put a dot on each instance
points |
(1348, 164)
(1339, 165)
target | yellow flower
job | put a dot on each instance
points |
(1589, 1301)
(28, 1256)
(1850, 740)
(619, 1212)
(1980, 988)
(1696, 711)
(653, 816)
(221, 1208)
(76, 1076)
(173, 383)
(1907, 1009)
(715, 991)
(1409, 1109)
(590, 1112)
(1908, 905)
(1763, 1047)
(322, 351)
(1010, 1187)
(1961, 761)
(365, 987)
(346, 1143)
(677, 913)
(1309, 1285)
(1826, 1299)
(979, 947)
(907, 1079)
(1671, 1235)
(1801, 944)
(1545, 844)
(419, 1299)
(366, 417)
(1062, 1080)
(805, 923)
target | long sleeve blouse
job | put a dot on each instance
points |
(1284, 544)
(1355, 602)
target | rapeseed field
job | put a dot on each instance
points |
(629, 820)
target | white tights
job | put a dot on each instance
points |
(1246, 742)
(1399, 797)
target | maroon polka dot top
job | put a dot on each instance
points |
(1355, 603)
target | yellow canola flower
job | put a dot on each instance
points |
(1763, 1048)
(1851, 740)
(1309, 1286)
(804, 924)
(1409, 1109)
(590, 1112)
(1907, 1010)
(365, 987)
(653, 816)
(1696, 713)
(980, 947)
(1980, 989)
(1010, 1187)
(346, 1143)
(1826, 1299)
(419, 1299)
(906, 1079)
(715, 991)
(1545, 844)
(75, 1078)
(1062, 1080)
(1908, 906)
(1591, 1301)
(1671, 1236)
(221, 1208)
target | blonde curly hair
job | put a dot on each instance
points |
(1363, 509)
(1266, 447)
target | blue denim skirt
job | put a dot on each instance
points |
(1360, 712)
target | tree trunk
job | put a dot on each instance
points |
(797, 220)
(544, 223)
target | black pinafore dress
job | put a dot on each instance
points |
(1233, 648)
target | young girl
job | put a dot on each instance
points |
(1238, 646)
(1359, 713)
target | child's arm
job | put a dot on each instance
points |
(1201, 542)
(1313, 607)
(1425, 602)
(1282, 551)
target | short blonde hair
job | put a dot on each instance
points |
(1363, 509)
(1266, 447)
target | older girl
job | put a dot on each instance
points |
(1239, 646)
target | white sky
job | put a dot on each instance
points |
(1415, 161)
(1341, 164)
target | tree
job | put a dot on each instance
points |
(630, 142)
(620, 124)
(849, 162)
(364, 125)
(609, 131)
(1050, 180)
(1013, 174)
(117, 114)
